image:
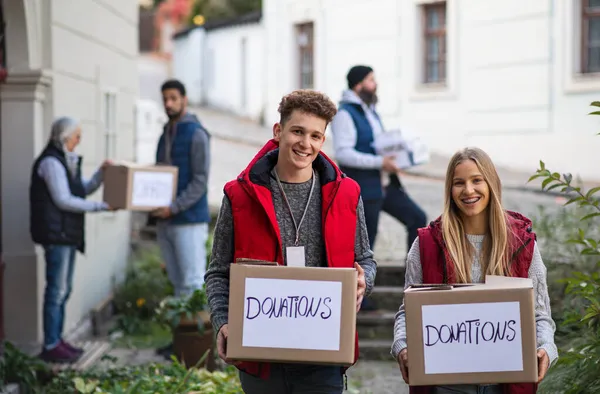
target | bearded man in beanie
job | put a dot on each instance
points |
(354, 128)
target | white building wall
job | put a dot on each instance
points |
(511, 85)
(150, 120)
(188, 63)
(235, 71)
(92, 54)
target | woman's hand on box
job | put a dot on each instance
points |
(403, 363)
(106, 163)
(543, 364)
(361, 285)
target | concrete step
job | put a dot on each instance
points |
(93, 353)
(375, 325)
(375, 350)
(387, 297)
(390, 275)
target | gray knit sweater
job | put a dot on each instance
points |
(545, 326)
(217, 274)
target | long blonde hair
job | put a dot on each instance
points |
(495, 259)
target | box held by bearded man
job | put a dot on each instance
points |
(471, 333)
(292, 314)
(138, 187)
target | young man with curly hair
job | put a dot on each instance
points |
(290, 195)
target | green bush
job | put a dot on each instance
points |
(35, 377)
(153, 378)
(563, 260)
(578, 368)
(146, 284)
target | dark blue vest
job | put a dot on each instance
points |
(181, 158)
(371, 187)
(49, 225)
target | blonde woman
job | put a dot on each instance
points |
(476, 236)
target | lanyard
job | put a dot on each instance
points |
(297, 226)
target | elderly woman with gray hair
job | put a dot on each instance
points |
(57, 204)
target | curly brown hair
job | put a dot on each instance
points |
(307, 101)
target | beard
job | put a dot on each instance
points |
(369, 97)
(174, 114)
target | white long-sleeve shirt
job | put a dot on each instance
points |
(55, 175)
(345, 135)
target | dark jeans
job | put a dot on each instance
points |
(398, 204)
(468, 389)
(296, 379)
(60, 261)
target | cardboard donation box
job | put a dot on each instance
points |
(471, 334)
(409, 150)
(139, 187)
(292, 314)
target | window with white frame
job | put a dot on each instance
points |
(109, 122)
(590, 36)
(434, 65)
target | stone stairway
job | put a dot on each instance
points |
(376, 328)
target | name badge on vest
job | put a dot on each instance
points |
(295, 256)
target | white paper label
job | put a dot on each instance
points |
(295, 256)
(292, 314)
(467, 338)
(152, 189)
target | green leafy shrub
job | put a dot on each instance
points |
(578, 369)
(146, 284)
(153, 378)
(563, 260)
(35, 377)
(172, 310)
(19, 368)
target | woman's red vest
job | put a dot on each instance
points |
(438, 268)
(256, 231)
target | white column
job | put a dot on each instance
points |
(22, 100)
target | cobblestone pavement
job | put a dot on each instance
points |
(376, 377)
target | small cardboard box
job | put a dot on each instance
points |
(292, 314)
(471, 334)
(139, 187)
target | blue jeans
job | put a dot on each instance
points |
(183, 249)
(296, 379)
(60, 262)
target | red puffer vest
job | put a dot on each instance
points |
(438, 268)
(256, 231)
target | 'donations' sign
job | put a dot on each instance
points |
(478, 337)
(292, 314)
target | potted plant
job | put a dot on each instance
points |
(189, 320)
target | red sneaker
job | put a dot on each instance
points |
(60, 355)
(73, 349)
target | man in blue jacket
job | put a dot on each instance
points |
(182, 227)
(355, 127)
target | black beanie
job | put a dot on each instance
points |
(357, 74)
